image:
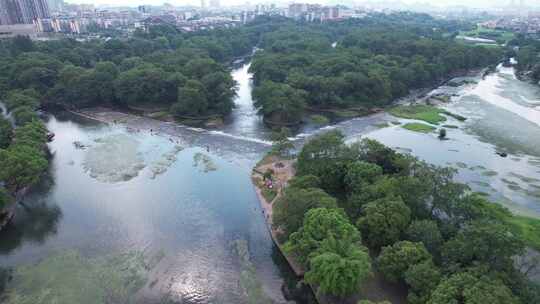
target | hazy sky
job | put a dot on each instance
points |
(475, 3)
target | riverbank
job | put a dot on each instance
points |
(283, 171)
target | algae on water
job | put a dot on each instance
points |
(69, 278)
(161, 165)
(114, 158)
(248, 276)
(204, 162)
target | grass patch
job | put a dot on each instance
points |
(418, 127)
(319, 119)
(528, 228)
(269, 194)
(382, 125)
(346, 113)
(428, 114)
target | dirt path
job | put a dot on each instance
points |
(283, 172)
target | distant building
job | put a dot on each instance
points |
(23, 11)
(316, 12)
(144, 9)
(214, 3)
(7, 31)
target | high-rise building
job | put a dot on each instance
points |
(23, 11)
(214, 3)
(203, 4)
(10, 12)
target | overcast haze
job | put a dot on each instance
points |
(472, 3)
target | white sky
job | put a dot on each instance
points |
(473, 3)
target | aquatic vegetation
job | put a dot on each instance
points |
(525, 179)
(514, 187)
(450, 126)
(248, 275)
(481, 183)
(426, 113)
(161, 165)
(489, 173)
(69, 277)
(508, 182)
(478, 167)
(205, 161)
(418, 127)
(114, 159)
(382, 125)
(461, 165)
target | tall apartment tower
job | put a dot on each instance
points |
(23, 11)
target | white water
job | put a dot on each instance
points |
(490, 90)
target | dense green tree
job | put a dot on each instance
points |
(6, 131)
(384, 221)
(21, 98)
(428, 233)
(471, 287)
(395, 260)
(23, 115)
(279, 103)
(145, 85)
(21, 166)
(4, 197)
(422, 279)
(325, 156)
(339, 267)
(360, 173)
(192, 100)
(305, 182)
(483, 241)
(289, 210)
(320, 224)
(281, 145)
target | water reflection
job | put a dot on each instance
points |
(35, 222)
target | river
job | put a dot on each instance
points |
(170, 216)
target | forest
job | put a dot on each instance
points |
(527, 56)
(353, 210)
(185, 73)
(357, 63)
(375, 60)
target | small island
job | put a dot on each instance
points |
(364, 223)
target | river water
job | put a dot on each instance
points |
(171, 216)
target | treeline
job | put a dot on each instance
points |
(23, 155)
(527, 56)
(445, 243)
(375, 60)
(182, 72)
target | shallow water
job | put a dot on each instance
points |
(502, 117)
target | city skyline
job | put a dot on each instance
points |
(468, 3)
